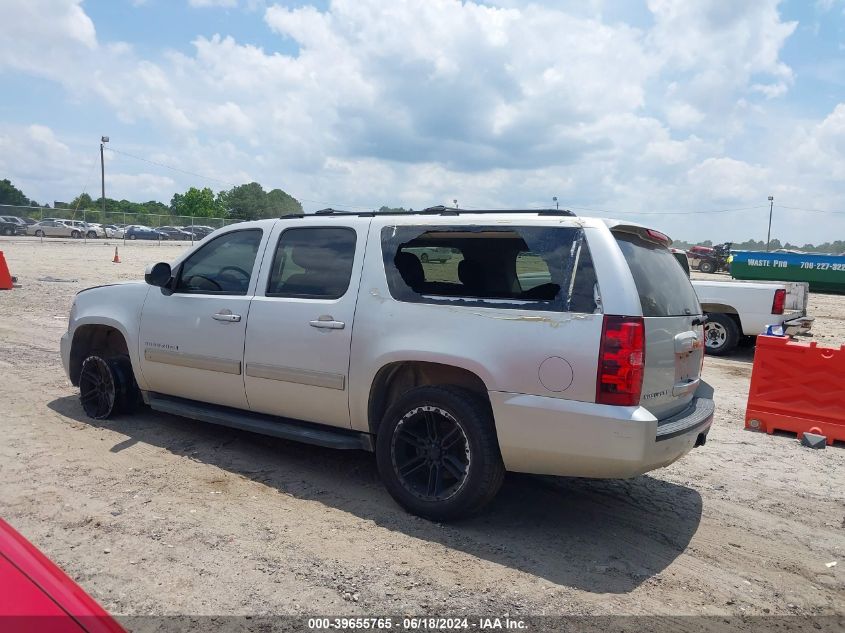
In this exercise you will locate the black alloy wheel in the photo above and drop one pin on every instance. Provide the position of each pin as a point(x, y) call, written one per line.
point(437, 452)
point(97, 388)
point(430, 453)
point(107, 386)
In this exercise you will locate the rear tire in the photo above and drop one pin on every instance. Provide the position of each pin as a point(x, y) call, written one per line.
point(424, 258)
point(75, 234)
point(707, 266)
point(133, 237)
point(438, 454)
point(7, 231)
point(107, 386)
point(721, 334)
point(91, 235)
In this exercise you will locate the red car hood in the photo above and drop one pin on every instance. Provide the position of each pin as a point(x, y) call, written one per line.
point(35, 595)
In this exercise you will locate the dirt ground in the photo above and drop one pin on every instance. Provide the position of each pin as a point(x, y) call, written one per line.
point(154, 514)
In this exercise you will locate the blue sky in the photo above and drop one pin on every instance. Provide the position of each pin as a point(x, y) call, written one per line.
point(660, 111)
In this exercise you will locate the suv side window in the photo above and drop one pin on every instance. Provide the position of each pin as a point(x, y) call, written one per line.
point(313, 263)
point(223, 266)
point(530, 268)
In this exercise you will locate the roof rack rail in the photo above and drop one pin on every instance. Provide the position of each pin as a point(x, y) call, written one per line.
point(435, 210)
point(443, 210)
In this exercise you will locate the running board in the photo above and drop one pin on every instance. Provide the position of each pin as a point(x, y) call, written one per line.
point(284, 428)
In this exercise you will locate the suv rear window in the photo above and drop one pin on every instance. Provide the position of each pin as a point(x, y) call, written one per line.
point(663, 287)
point(535, 268)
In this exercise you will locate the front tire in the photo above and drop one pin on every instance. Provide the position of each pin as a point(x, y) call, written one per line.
point(75, 234)
point(91, 235)
point(721, 334)
point(107, 386)
point(706, 266)
point(438, 454)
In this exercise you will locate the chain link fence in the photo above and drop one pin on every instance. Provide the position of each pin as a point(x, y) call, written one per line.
point(115, 223)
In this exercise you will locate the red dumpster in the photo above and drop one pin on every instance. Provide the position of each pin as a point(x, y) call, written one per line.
point(797, 387)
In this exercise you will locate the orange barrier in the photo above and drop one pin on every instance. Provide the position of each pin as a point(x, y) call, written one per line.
point(797, 387)
point(5, 276)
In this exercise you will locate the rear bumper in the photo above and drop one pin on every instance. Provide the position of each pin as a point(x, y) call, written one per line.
point(551, 436)
point(798, 325)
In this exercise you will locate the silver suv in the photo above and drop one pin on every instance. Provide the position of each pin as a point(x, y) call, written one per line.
point(546, 343)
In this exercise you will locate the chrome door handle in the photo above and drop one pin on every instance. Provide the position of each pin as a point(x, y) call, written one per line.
point(226, 316)
point(327, 322)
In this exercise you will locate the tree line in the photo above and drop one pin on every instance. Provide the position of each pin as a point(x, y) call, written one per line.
point(243, 202)
point(837, 247)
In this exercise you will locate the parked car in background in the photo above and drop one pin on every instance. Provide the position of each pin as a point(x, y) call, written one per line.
point(198, 231)
point(741, 308)
point(87, 229)
point(437, 254)
point(29, 221)
point(174, 233)
point(53, 228)
point(113, 231)
point(140, 232)
point(12, 225)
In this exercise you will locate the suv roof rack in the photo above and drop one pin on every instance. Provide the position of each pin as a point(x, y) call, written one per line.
point(435, 210)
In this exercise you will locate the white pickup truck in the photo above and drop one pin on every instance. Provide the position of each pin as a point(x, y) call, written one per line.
point(745, 308)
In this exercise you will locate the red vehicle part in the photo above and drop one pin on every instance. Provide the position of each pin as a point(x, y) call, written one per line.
point(35, 595)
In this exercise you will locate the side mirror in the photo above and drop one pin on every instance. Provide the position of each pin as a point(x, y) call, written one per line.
point(158, 275)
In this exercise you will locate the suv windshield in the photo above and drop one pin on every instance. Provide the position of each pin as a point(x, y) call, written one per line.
point(662, 285)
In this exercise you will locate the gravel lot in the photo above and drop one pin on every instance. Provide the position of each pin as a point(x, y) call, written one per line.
point(155, 514)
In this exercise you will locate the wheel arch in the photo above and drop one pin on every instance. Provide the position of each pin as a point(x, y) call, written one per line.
point(722, 308)
point(398, 377)
point(88, 337)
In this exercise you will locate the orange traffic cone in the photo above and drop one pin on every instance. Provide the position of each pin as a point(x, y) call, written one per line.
point(5, 276)
point(116, 259)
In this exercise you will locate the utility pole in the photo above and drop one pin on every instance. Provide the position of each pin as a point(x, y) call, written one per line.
point(103, 141)
point(769, 233)
point(554, 199)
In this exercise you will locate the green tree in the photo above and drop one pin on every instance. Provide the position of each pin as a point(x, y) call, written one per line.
point(197, 203)
point(82, 201)
point(281, 203)
point(9, 194)
point(251, 202)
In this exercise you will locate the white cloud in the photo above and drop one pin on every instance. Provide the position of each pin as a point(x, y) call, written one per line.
point(423, 101)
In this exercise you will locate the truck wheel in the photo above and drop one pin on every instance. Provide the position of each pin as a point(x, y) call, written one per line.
point(424, 258)
point(438, 454)
point(721, 334)
point(707, 266)
point(75, 234)
point(107, 386)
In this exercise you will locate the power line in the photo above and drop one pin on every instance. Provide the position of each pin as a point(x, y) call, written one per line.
point(783, 206)
point(184, 171)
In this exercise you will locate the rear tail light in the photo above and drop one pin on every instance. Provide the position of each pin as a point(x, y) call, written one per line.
point(621, 361)
point(658, 236)
point(779, 301)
